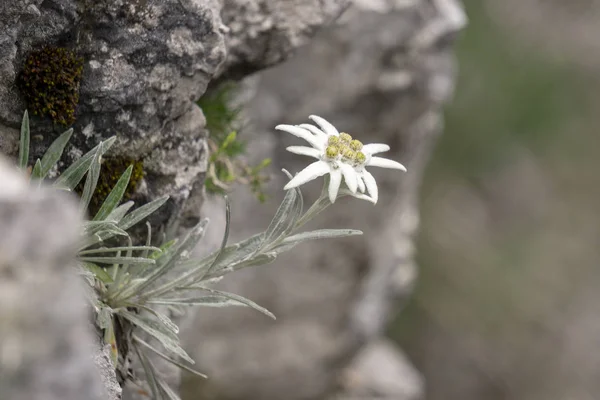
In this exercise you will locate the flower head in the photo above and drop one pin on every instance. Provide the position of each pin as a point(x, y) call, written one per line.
point(339, 155)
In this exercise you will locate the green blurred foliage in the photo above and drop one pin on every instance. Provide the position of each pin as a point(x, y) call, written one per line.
point(226, 165)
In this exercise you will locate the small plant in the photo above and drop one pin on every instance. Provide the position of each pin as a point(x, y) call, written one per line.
point(49, 82)
point(128, 282)
point(226, 165)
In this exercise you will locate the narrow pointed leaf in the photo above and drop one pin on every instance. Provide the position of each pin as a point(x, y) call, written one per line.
point(115, 196)
point(149, 372)
point(167, 358)
point(99, 273)
point(92, 179)
point(75, 172)
point(37, 170)
point(117, 260)
point(24, 142)
point(55, 151)
point(142, 212)
point(167, 338)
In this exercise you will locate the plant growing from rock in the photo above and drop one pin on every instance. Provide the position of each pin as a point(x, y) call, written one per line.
point(226, 164)
point(128, 282)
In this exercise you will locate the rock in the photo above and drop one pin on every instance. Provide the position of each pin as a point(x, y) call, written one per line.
point(145, 65)
point(46, 339)
point(380, 371)
point(382, 74)
point(262, 33)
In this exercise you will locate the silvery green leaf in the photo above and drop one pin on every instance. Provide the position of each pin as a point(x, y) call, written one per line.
point(114, 249)
point(243, 300)
point(55, 151)
point(75, 172)
point(260, 259)
point(24, 142)
point(92, 179)
point(149, 371)
point(168, 260)
point(167, 358)
point(158, 331)
point(281, 220)
point(99, 273)
point(146, 253)
point(223, 240)
point(115, 195)
point(118, 213)
point(142, 212)
point(167, 391)
point(163, 319)
point(318, 234)
point(36, 173)
point(117, 260)
point(219, 299)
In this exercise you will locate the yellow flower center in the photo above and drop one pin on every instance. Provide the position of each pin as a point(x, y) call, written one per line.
point(333, 140)
point(332, 151)
point(356, 145)
point(348, 154)
point(360, 157)
point(344, 137)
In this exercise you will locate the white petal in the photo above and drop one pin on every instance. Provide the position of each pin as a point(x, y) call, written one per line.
point(304, 151)
point(385, 163)
point(325, 125)
point(361, 183)
point(359, 196)
point(374, 148)
point(302, 133)
point(317, 132)
point(371, 185)
point(349, 176)
point(313, 171)
point(334, 184)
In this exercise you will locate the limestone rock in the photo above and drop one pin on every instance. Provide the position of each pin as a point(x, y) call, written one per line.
point(46, 340)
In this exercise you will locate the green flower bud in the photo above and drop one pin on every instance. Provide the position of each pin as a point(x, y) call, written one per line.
point(348, 154)
point(333, 140)
point(344, 137)
point(332, 151)
point(356, 145)
point(360, 157)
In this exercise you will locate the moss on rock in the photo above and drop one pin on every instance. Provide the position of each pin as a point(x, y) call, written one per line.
point(49, 82)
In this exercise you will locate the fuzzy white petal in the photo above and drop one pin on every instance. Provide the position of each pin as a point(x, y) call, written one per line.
point(313, 171)
point(325, 125)
point(304, 151)
point(371, 185)
point(385, 163)
point(350, 177)
point(374, 148)
point(361, 196)
point(302, 133)
point(317, 132)
point(334, 184)
point(361, 183)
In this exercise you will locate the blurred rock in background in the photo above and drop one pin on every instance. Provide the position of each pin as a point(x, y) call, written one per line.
point(383, 74)
point(506, 302)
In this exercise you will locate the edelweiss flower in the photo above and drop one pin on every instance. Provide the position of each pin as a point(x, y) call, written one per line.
point(339, 155)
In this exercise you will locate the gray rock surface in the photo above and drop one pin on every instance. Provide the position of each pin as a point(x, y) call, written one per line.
point(145, 65)
point(383, 75)
point(46, 339)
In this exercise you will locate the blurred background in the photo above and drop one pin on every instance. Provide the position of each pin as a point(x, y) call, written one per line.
point(507, 304)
